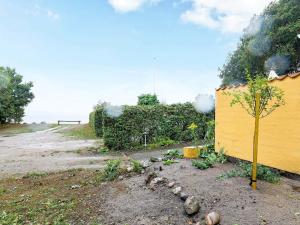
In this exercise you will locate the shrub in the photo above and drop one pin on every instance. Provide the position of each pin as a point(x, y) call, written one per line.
point(112, 169)
point(167, 121)
point(148, 99)
point(137, 166)
point(244, 169)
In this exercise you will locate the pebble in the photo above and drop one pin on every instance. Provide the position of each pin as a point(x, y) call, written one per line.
point(177, 190)
point(171, 184)
point(183, 196)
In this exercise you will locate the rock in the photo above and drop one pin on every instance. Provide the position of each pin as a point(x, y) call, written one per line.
point(121, 177)
point(183, 196)
point(191, 205)
point(129, 169)
point(198, 223)
point(154, 159)
point(150, 176)
point(171, 184)
point(155, 182)
point(76, 186)
point(146, 164)
point(213, 218)
point(177, 190)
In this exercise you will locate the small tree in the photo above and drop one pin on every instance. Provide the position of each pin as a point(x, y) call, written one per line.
point(148, 99)
point(259, 100)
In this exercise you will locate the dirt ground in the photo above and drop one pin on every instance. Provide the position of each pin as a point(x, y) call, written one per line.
point(130, 202)
point(46, 150)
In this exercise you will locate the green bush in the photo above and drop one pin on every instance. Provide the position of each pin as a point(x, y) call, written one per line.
point(167, 121)
point(112, 169)
point(95, 120)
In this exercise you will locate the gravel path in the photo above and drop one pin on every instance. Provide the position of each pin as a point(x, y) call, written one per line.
point(46, 150)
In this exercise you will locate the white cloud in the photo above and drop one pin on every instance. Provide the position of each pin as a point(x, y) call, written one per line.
point(228, 16)
point(129, 5)
point(37, 10)
point(53, 15)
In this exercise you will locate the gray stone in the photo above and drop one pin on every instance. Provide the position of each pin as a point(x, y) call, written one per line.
point(183, 196)
point(146, 164)
point(191, 205)
point(129, 169)
point(177, 190)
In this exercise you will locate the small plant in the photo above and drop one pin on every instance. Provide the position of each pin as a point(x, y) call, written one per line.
point(112, 169)
point(35, 175)
point(137, 166)
point(173, 154)
point(161, 142)
point(244, 169)
point(169, 162)
point(209, 159)
point(193, 128)
point(103, 150)
point(202, 164)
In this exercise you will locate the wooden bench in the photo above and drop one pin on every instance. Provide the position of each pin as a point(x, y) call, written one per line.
point(68, 121)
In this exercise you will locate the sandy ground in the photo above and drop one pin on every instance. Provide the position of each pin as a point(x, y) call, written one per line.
point(130, 202)
point(46, 150)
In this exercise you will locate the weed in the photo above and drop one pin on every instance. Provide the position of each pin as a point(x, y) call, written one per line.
point(161, 142)
point(202, 164)
point(137, 166)
point(80, 132)
point(244, 169)
point(112, 169)
point(209, 159)
point(173, 154)
point(2, 191)
point(169, 162)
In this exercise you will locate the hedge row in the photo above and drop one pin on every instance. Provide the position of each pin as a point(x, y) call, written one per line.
point(160, 121)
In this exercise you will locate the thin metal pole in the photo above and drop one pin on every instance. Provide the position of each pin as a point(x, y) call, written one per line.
point(255, 141)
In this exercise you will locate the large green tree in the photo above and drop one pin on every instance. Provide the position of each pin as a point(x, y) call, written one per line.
point(15, 95)
point(270, 42)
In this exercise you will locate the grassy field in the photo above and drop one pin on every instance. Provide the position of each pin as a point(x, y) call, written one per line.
point(12, 129)
point(41, 198)
point(80, 131)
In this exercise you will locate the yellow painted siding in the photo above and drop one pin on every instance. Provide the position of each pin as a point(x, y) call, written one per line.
point(279, 134)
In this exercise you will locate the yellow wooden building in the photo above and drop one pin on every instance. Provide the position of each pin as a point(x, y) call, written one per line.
point(279, 137)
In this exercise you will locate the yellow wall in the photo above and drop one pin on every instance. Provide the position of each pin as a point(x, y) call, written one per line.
point(279, 138)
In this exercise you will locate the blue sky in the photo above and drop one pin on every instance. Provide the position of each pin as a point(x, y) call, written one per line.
point(79, 52)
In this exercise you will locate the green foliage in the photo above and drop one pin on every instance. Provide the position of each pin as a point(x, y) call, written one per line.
point(244, 169)
point(169, 162)
point(193, 129)
point(209, 158)
point(15, 95)
point(96, 119)
point(173, 154)
point(167, 121)
point(137, 166)
point(271, 97)
point(161, 142)
point(112, 169)
point(276, 38)
point(148, 99)
point(103, 150)
point(209, 138)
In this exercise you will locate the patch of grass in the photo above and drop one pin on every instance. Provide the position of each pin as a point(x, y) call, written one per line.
point(48, 199)
point(137, 166)
point(80, 132)
point(112, 169)
point(35, 175)
point(13, 129)
point(103, 150)
point(161, 142)
point(244, 169)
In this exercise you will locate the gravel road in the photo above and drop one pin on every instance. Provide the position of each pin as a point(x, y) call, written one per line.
point(46, 150)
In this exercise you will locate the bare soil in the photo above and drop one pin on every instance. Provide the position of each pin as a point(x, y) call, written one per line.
point(43, 151)
point(130, 202)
